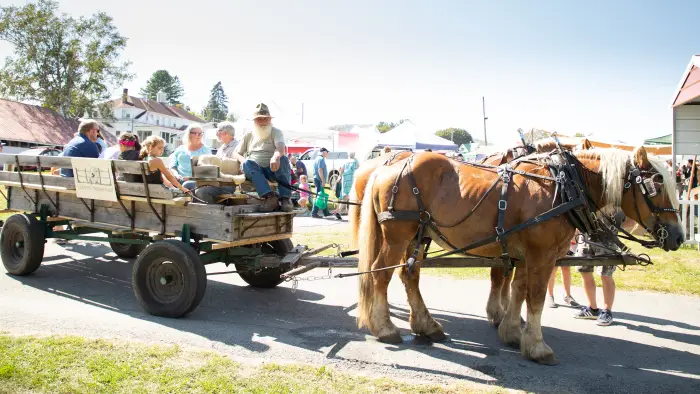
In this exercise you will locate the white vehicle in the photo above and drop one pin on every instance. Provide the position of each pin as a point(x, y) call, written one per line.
point(334, 162)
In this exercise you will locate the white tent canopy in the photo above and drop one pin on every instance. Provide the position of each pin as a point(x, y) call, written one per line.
point(408, 136)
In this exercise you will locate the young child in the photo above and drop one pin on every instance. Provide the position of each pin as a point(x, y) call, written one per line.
point(303, 195)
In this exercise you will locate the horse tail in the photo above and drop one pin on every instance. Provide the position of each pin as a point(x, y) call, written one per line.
point(370, 244)
point(354, 218)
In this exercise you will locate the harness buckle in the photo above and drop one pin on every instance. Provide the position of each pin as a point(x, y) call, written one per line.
point(395, 189)
point(500, 231)
point(627, 185)
point(416, 191)
point(502, 205)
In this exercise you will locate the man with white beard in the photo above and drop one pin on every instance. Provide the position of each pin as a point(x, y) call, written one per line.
point(263, 151)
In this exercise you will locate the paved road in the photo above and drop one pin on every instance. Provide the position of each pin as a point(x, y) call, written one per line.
point(84, 289)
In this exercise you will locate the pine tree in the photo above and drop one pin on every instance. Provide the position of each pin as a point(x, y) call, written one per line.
point(162, 80)
point(217, 108)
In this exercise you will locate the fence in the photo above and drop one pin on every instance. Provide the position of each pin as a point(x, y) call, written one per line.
point(689, 218)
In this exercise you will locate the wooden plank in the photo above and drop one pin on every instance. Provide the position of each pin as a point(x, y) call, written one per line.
point(125, 188)
point(30, 160)
point(38, 187)
point(179, 201)
point(206, 171)
point(213, 224)
point(250, 241)
point(264, 214)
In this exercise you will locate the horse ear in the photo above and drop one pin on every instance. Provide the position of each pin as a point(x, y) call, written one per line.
point(640, 158)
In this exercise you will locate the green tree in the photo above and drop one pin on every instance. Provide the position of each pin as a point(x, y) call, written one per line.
point(169, 84)
point(383, 127)
point(579, 135)
point(217, 108)
point(456, 135)
point(64, 63)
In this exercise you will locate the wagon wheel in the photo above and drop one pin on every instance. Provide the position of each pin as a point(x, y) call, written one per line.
point(270, 277)
point(169, 279)
point(126, 251)
point(22, 244)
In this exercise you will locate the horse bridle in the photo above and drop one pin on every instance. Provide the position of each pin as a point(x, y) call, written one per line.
point(645, 181)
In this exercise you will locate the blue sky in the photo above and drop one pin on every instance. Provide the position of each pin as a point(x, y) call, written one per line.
point(588, 67)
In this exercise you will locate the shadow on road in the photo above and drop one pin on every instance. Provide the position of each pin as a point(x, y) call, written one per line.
point(240, 316)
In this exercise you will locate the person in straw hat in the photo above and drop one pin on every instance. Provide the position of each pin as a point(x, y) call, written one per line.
point(263, 150)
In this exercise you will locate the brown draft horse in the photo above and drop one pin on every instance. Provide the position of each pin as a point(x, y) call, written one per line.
point(446, 187)
point(500, 282)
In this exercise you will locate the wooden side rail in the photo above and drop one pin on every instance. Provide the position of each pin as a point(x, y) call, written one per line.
point(122, 166)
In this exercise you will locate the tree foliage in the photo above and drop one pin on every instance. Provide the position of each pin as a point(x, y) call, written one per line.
point(456, 135)
point(217, 108)
point(383, 127)
point(67, 64)
point(169, 84)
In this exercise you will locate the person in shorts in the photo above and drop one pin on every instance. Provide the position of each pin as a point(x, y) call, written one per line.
point(604, 315)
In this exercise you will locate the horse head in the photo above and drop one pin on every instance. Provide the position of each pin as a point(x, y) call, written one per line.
point(639, 184)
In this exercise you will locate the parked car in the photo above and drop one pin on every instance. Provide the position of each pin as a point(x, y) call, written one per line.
point(39, 152)
point(334, 162)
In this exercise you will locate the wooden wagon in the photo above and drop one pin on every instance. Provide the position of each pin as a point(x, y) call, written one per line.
point(172, 237)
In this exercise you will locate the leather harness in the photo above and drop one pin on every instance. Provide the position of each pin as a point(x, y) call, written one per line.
point(574, 200)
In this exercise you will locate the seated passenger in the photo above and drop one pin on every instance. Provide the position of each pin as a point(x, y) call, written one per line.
point(84, 144)
point(129, 149)
point(181, 158)
point(226, 134)
point(262, 154)
point(151, 150)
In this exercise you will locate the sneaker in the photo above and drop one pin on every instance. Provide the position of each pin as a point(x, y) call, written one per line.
point(551, 303)
point(286, 205)
point(316, 216)
point(605, 318)
point(271, 203)
point(337, 216)
point(569, 300)
point(587, 313)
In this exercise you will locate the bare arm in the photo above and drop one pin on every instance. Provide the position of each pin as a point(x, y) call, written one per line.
point(157, 164)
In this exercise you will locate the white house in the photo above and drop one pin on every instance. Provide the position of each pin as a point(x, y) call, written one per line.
point(146, 117)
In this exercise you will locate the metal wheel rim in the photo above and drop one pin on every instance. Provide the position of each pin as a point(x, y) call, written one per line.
point(165, 281)
point(14, 244)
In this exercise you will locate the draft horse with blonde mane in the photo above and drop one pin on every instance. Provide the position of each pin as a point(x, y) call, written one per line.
point(500, 278)
point(430, 189)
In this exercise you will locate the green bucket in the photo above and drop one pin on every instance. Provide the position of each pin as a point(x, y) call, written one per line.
point(321, 201)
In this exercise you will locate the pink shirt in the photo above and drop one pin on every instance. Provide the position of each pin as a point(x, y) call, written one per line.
point(304, 186)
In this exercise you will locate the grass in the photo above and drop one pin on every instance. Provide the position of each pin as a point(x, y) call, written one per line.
point(76, 365)
point(672, 272)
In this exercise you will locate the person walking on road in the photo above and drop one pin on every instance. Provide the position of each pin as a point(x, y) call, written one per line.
point(320, 177)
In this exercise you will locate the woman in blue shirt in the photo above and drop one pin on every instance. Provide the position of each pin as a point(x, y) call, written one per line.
point(181, 159)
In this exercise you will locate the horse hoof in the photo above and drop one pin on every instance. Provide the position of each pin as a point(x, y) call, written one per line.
point(548, 360)
point(437, 336)
point(394, 338)
point(515, 344)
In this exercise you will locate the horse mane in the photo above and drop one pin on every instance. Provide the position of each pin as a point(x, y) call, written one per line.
point(613, 167)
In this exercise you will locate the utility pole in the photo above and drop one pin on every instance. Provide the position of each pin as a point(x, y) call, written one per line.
point(302, 113)
point(483, 106)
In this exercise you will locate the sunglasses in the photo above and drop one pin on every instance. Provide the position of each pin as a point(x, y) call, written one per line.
point(195, 133)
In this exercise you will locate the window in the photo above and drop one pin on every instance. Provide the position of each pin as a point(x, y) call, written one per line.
point(158, 122)
point(143, 134)
point(128, 115)
point(168, 137)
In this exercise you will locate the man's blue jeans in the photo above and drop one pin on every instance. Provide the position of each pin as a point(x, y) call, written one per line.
point(319, 186)
point(259, 175)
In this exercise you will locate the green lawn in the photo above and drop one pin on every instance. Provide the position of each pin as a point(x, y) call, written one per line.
point(77, 365)
point(672, 272)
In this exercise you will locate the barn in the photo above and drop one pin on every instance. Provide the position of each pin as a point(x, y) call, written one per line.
point(686, 113)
